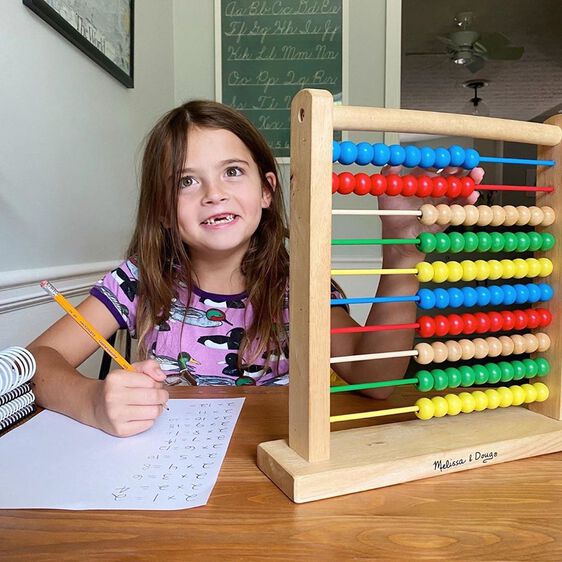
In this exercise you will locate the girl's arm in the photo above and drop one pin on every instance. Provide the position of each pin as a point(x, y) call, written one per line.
point(124, 404)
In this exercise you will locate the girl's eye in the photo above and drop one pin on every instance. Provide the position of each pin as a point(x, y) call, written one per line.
point(233, 172)
point(186, 181)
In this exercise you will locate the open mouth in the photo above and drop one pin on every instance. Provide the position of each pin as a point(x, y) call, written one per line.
point(219, 219)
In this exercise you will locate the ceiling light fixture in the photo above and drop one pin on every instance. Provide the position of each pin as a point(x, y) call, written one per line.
point(476, 106)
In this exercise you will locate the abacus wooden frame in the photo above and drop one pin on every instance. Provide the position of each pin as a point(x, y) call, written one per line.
point(315, 463)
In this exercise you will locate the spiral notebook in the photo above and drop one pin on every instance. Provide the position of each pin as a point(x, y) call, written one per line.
point(17, 400)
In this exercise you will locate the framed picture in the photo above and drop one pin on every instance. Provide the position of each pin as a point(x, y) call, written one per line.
point(102, 29)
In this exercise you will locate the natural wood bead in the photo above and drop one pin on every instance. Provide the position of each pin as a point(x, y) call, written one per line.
point(458, 215)
point(548, 216)
point(440, 352)
point(498, 215)
point(467, 348)
point(524, 215)
point(480, 348)
point(544, 341)
point(519, 344)
point(454, 350)
point(537, 216)
point(429, 214)
point(472, 214)
point(494, 346)
point(532, 343)
point(507, 345)
point(485, 215)
point(445, 214)
point(511, 215)
point(425, 353)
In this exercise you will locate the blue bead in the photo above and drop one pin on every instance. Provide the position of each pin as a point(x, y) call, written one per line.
point(509, 294)
point(397, 155)
point(522, 293)
point(364, 153)
point(381, 154)
point(442, 158)
point(348, 152)
point(456, 297)
point(496, 295)
point(335, 151)
point(457, 155)
point(427, 157)
point(413, 156)
point(546, 291)
point(483, 296)
point(441, 298)
point(471, 159)
point(534, 292)
point(427, 299)
point(470, 296)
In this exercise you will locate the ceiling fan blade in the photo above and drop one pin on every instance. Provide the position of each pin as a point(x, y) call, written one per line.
point(447, 40)
point(426, 54)
point(476, 64)
point(506, 53)
point(494, 40)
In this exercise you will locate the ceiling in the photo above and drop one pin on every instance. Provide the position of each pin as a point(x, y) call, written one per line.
point(526, 89)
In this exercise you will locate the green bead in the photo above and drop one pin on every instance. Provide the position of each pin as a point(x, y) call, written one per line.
point(454, 376)
point(441, 379)
point(480, 374)
point(442, 243)
point(425, 381)
point(497, 242)
point(457, 242)
point(467, 375)
point(484, 241)
point(535, 241)
point(522, 241)
point(470, 241)
point(519, 370)
point(510, 242)
point(494, 373)
point(547, 241)
point(507, 371)
point(543, 366)
point(427, 242)
point(531, 368)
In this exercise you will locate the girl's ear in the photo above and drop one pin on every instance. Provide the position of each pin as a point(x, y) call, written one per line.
point(266, 194)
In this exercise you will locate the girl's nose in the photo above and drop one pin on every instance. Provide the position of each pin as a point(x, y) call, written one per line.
point(215, 193)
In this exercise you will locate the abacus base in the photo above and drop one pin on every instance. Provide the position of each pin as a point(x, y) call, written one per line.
point(374, 457)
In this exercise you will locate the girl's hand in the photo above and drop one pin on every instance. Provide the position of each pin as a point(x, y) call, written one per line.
point(128, 402)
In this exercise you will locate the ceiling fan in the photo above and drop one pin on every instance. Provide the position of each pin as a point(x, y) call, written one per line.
point(471, 49)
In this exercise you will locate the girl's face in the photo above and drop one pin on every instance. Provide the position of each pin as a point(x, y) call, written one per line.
point(221, 195)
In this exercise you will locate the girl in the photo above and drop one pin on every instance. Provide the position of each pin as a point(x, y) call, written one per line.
point(204, 288)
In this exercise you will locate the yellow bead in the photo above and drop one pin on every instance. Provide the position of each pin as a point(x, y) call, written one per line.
point(496, 269)
point(521, 268)
point(542, 391)
point(440, 271)
point(454, 404)
point(518, 395)
point(468, 403)
point(468, 270)
point(506, 397)
point(530, 393)
point(441, 406)
point(480, 400)
point(508, 269)
point(548, 217)
point(482, 270)
point(425, 272)
point(546, 267)
point(426, 409)
point(455, 271)
point(493, 398)
point(534, 267)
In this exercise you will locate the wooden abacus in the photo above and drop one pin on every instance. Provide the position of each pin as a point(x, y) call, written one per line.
point(315, 463)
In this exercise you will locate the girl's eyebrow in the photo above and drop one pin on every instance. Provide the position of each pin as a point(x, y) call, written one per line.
point(220, 164)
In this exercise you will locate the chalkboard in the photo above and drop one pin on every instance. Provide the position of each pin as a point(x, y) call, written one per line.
point(272, 49)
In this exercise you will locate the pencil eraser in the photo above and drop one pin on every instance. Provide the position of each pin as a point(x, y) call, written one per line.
point(43, 283)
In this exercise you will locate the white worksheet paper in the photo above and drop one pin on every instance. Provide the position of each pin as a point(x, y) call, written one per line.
point(54, 462)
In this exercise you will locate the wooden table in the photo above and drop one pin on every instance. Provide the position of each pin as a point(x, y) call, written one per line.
point(510, 511)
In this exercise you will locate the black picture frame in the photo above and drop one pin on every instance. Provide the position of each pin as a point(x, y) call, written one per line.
point(125, 73)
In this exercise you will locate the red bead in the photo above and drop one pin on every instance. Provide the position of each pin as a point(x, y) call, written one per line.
point(467, 186)
point(533, 318)
point(441, 325)
point(362, 184)
point(508, 320)
point(439, 186)
point(496, 321)
point(378, 184)
point(454, 187)
point(393, 184)
point(347, 183)
point(335, 182)
point(520, 319)
point(426, 328)
point(546, 316)
point(409, 186)
point(456, 324)
point(482, 322)
point(425, 187)
point(469, 323)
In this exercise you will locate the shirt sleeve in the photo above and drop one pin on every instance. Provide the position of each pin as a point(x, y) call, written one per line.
point(117, 290)
point(336, 292)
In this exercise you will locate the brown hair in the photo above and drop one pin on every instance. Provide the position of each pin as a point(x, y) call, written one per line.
point(163, 258)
